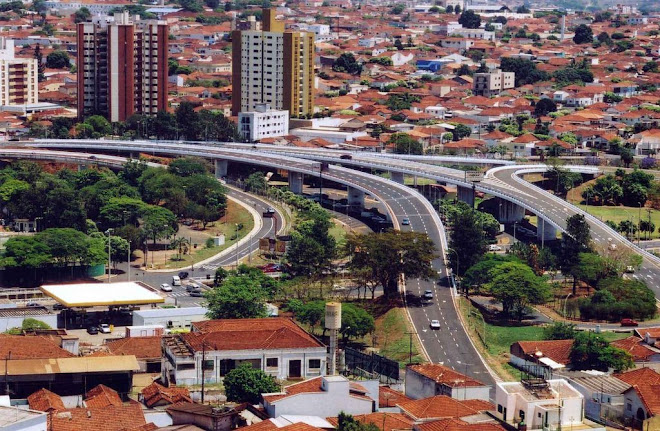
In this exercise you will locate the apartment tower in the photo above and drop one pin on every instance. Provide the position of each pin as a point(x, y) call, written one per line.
point(18, 77)
point(122, 67)
point(273, 66)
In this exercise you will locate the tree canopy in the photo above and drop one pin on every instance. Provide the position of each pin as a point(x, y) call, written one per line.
point(591, 352)
point(246, 384)
point(469, 19)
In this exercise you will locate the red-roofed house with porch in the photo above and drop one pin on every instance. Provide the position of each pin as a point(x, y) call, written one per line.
point(276, 345)
point(428, 380)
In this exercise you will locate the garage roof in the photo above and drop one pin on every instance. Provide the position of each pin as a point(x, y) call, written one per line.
point(104, 294)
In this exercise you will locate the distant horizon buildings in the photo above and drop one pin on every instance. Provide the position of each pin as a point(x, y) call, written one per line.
point(273, 66)
point(121, 66)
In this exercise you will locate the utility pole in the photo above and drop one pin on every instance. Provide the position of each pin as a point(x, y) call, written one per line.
point(410, 334)
point(203, 360)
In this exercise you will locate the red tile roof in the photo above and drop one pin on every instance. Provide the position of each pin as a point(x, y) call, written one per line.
point(109, 418)
point(639, 376)
point(21, 347)
point(388, 397)
point(249, 334)
point(458, 425)
point(440, 407)
point(384, 421)
point(141, 347)
point(445, 375)
point(636, 347)
point(102, 396)
point(156, 394)
point(307, 386)
point(45, 401)
point(557, 350)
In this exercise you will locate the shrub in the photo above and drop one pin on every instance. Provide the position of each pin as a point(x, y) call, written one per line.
point(648, 163)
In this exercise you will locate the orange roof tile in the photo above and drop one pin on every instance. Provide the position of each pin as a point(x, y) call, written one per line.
point(109, 418)
point(158, 394)
point(45, 401)
point(438, 407)
point(445, 375)
point(21, 347)
point(634, 345)
point(383, 421)
point(141, 347)
point(388, 397)
point(102, 396)
point(557, 350)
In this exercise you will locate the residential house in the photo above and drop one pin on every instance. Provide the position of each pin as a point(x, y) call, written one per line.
point(217, 418)
point(324, 396)
point(443, 407)
point(603, 395)
point(428, 380)
point(642, 399)
point(540, 404)
point(489, 84)
point(650, 335)
point(156, 395)
point(15, 418)
point(638, 349)
point(277, 345)
point(541, 358)
point(147, 350)
point(646, 142)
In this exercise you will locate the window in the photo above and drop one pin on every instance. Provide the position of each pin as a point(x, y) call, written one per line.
point(208, 365)
point(314, 364)
point(271, 362)
point(182, 367)
point(499, 408)
point(629, 407)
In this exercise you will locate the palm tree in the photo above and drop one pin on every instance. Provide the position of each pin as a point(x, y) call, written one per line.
point(181, 244)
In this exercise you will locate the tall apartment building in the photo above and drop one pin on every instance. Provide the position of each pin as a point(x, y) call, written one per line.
point(122, 66)
point(18, 77)
point(493, 83)
point(274, 67)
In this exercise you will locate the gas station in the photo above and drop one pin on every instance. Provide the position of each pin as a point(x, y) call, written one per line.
point(86, 304)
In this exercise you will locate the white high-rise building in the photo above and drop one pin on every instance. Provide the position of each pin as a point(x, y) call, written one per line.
point(274, 66)
point(263, 122)
point(18, 77)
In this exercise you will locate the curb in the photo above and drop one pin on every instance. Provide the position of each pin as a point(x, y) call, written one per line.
point(258, 224)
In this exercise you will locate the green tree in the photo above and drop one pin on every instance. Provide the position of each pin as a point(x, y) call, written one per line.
point(397, 9)
point(58, 60)
point(356, 322)
point(583, 34)
point(256, 182)
point(525, 70)
point(591, 352)
point(627, 156)
point(191, 5)
point(312, 248)
point(346, 63)
point(187, 120)
point(461, 131)
point(544, 107)
point(158, 222)
point(399, 102)
point(477, 276)
point(450, 9)
point(82, 15)
point(406, 144)
point(559, 331)
point(385, 256)
point(467, 241)
point(237, 297)
point(347, 422)
point(516, 286)
point(576, 240)
point(469, 19)
point(188, 166)
point(246, 384)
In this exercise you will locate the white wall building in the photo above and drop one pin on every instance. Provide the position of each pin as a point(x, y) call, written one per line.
point(429, 380)
point(169, 317)
point(324, 397)
point(277, 346)
point(492, 83)
point(263, 122)
point(16, 419)
point(18, 77)
point(542, 404)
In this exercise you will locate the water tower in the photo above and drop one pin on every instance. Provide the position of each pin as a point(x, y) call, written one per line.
point(333, 324)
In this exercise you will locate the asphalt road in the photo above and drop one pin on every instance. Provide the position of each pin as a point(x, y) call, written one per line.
point(450, 345)
point(179, 293)
point(558, 210)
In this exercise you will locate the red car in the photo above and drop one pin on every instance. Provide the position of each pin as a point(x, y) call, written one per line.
point(629, 322)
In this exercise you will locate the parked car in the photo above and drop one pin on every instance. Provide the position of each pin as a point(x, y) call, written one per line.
point(33, 304)
point(269, 213)
point(346, 157)
point(271, 267)
point(92, 330)
point(494, 247)
point(428, 294)
point(435, 324)
point(405, 222)
point(197, 293)
point(165, 287)
point(104, 328)
point(183, 275)
point(629, 322)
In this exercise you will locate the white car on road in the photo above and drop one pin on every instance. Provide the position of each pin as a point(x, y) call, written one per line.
point(165, 287)
point(435, 324)
point(104, 328)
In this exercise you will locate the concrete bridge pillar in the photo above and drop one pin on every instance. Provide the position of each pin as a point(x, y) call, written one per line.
point(465, 194)
point(397, 177)
point(296, 182)
point(545, 231)
point(221, 168)
point(509, 212)
point(355, 198)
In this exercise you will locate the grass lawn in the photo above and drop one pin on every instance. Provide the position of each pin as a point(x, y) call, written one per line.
point(392, 340)
point(338, 232)
point(498, 339)
point(227, 226)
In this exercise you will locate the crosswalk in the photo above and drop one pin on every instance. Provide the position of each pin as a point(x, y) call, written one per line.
point(178, 294)
point(210, 267)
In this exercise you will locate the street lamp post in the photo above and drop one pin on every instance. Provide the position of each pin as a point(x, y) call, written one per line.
point(108, 232)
